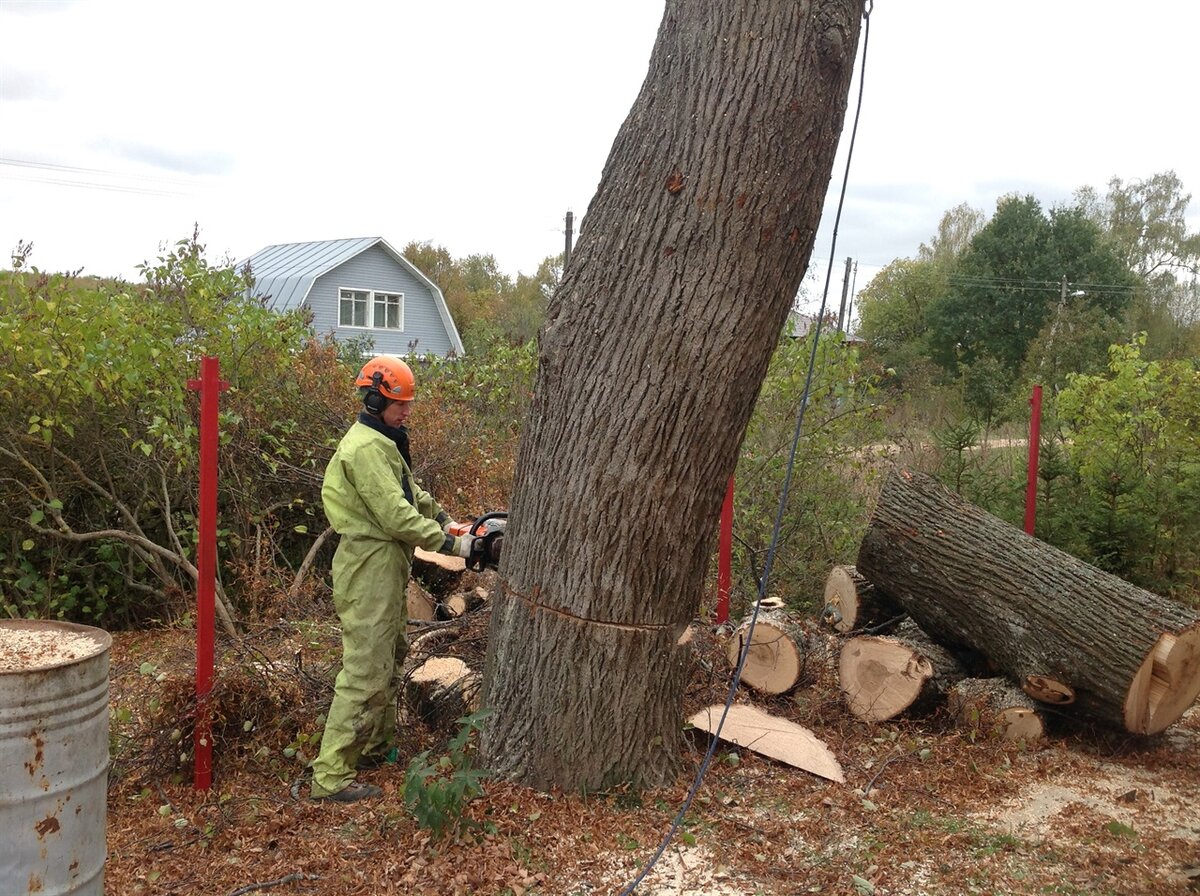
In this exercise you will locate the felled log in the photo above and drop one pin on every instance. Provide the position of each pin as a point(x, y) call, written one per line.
point(883, 676)
point(1059, 627)
point(776, 656)
point(462, 602)
point(851, 602)
point(441, 690)
point(995, 706)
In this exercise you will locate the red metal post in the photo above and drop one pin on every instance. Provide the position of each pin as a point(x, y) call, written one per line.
point(725, 558)
point(1035, 435)
point(210, 387)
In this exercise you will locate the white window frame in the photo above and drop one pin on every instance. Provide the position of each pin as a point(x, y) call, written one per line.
point(371, 301)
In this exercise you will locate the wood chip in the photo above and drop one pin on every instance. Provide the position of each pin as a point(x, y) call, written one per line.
point(26, 649)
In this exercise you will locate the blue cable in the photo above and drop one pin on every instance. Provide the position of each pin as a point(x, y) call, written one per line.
point(787, 481)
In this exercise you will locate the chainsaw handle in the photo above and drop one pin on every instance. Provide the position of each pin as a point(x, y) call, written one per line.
point(477, 525)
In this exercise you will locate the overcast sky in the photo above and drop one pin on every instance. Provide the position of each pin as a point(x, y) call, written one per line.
point(476, 125)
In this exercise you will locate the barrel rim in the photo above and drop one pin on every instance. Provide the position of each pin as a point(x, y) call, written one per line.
point(101, 639)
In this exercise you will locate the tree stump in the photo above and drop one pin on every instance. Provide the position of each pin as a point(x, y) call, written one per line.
point(441, 690)
point(421, 607)
point(851, 602)
point(440, 573)
point(882, 677)
point(995, 706)
point(1056, 625)
point(778, 649)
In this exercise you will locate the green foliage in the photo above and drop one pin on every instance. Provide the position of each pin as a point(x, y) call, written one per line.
point(1007, 284)
point(1133, 437)
point(986, 387)
point(99, 436)
point(892, 313)
point(438, 789)
point(823, 521)
point(486, 304)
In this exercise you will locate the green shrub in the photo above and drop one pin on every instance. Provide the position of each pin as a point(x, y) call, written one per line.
point(832, 479)
point(437, 790)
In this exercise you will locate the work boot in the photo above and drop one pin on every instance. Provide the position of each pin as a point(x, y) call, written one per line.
point(352, 793)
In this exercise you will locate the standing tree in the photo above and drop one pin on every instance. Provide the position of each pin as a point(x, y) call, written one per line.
point(1018, 271)
point(650, 360)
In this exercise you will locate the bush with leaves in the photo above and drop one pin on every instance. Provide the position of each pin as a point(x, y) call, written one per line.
point(99, 437)
point(826, 510)
point(1133, 436)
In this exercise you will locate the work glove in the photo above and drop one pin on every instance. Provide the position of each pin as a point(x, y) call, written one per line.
point(446, 521)
point(458, 546)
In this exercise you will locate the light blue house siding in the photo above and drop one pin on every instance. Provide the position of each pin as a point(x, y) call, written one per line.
point(316, 274)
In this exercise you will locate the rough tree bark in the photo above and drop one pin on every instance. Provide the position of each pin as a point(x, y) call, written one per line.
point(1065, 631)
point(651, 356)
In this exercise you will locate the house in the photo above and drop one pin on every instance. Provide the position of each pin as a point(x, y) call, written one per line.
point(356, 289)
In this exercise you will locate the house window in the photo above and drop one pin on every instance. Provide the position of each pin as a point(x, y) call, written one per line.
point(370, 309)
point(389, 307)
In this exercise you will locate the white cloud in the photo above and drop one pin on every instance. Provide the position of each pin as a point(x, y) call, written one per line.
point(476, 125)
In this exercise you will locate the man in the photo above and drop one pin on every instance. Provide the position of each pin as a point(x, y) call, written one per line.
point(374, 503)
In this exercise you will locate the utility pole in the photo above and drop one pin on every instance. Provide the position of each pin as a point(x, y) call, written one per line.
point(567, 250)
point(853, 293)
point(845, 294)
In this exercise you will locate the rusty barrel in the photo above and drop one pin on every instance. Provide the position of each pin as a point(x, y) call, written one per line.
point(53, 757)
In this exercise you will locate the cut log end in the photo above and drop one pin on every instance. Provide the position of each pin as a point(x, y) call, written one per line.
point(1048, 690)
point(997, 706)
point(441, 690)
point(774, 659)
point(1020, 724)
point(853, 602)
point(881, 677)
point(421, 607)
point(841, 598)
point(1167, 683)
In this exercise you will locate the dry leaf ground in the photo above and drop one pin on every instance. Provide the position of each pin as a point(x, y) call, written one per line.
point(925, 810)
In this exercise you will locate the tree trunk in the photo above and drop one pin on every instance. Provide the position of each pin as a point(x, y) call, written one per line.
point(650, 360)
point(1059, 627)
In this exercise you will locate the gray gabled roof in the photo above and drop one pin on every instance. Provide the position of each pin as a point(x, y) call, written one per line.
point(284, 274)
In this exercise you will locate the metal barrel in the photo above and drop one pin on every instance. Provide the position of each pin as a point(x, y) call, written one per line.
point(53, 757)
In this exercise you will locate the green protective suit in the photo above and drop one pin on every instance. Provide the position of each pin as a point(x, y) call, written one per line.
point(364, 497)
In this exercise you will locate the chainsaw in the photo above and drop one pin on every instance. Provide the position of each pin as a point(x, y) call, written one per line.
point(488, 532)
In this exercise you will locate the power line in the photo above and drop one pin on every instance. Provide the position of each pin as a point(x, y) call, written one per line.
point(73, 176)
point(1014, 283)
point(93, 185)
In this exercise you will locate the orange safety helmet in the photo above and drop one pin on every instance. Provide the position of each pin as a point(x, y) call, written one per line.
point(389, 377)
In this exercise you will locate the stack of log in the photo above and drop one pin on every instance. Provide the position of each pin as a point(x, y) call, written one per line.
point(446, 634)
point(948, 604)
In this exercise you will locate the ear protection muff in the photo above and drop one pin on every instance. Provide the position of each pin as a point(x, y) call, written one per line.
point(375, 401)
